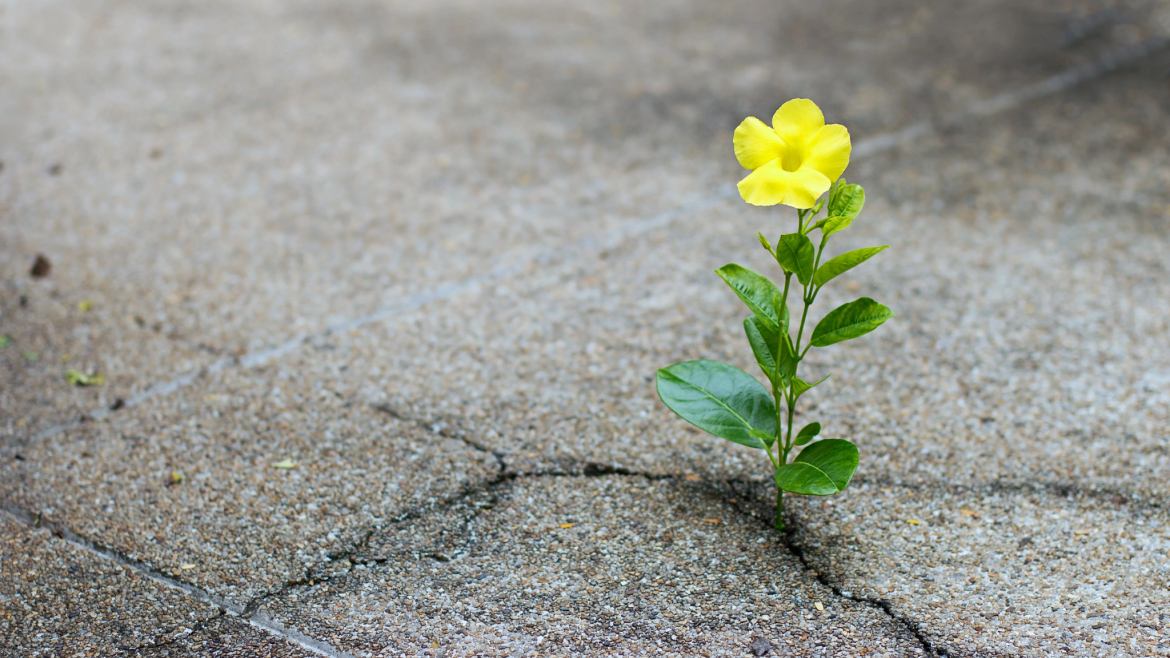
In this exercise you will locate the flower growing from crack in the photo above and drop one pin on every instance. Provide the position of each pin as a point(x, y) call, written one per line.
point(796, 160)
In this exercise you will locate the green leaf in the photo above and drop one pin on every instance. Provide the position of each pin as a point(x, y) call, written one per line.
point(755, 290)
point(800, 387)
point(796, 254)
point(808, 433)
point(720, 399)
point(847, 202)
point(844, 263)
point(831, 225)
point(822, 469)
point(848, 321)
point(763, 342)
point(768, 439)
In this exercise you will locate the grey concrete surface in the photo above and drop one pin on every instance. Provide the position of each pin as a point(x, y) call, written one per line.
point(433, 253)
point(56, 599)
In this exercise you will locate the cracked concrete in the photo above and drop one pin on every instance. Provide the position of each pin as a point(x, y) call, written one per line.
point(429, 254)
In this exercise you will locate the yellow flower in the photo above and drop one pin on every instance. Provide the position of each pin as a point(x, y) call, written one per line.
point(796, 160)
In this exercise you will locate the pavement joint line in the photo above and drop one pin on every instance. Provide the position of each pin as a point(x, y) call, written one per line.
point(258, 619)
point(1107, 63)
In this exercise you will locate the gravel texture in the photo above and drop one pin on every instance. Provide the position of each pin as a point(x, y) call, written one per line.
point(995, 569)
point(193, 482)
point(583, 566)
point(433, 252)
point(59, 600)
point(224, 637)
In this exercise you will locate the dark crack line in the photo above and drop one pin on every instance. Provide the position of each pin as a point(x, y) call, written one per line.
point(226, 606)
point(442, 429)
point(912, 627)
point(195, 628)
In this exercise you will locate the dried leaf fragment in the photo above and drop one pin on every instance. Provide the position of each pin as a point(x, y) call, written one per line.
point(967, 512)
point(78, 378)
point(692, 477)
point(913, 521)
point(84, 305)
point(567, 525)
point(285, 463)
point(713, 520)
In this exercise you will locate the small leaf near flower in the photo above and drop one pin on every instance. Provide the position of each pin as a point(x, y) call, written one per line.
point(849, 321)
point(796, 254)
point(843, 263)
point(847, 202)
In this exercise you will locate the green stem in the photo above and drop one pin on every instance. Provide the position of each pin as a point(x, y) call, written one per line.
point(776, 374)
point(779, 509)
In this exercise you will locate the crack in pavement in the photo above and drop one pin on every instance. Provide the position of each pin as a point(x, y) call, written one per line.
point(226, 607)
point(1109, 62)
point(912, 627)
point(195, 628)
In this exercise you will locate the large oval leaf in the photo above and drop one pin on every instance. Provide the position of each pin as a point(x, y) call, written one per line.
point(822, 469)
point(851, 320)
point(757, 292)
point(844, 263)
point(796, 253)
point(720, 399)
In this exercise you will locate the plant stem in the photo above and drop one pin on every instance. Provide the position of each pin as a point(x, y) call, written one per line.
point(779, 509)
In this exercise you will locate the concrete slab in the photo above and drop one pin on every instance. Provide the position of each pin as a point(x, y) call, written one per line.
point(607, 565)
point(998, 570)
point(189, 486)
point(57, 600)
point(240, 187)
point(184, 176)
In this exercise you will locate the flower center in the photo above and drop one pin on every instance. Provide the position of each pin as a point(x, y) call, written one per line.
point(791, 159)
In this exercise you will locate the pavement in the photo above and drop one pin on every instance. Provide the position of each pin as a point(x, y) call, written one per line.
point(378, 292)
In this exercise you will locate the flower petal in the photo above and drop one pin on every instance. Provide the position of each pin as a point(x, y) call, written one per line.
point(755, 143)
point(805, 187)
point(797, 121)
point(829, 150)
point(770, 184)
